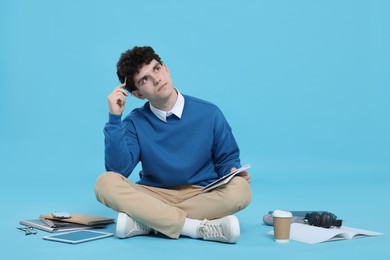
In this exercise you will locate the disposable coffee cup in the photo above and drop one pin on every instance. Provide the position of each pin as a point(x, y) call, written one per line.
point(282, 225)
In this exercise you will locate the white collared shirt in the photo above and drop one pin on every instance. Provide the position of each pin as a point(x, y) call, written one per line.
point(177, 109)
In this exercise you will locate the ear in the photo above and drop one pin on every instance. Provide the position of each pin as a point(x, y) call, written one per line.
point(137, 94)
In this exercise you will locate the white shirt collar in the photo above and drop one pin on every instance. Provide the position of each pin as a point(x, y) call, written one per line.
point(177, 109)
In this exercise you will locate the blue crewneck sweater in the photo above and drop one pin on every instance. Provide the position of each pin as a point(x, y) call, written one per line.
point(195, 149)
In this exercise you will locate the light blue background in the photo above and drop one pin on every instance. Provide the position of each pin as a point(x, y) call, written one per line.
point(304, 85)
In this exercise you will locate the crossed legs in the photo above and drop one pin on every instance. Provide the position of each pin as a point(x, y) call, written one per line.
point(166, 210)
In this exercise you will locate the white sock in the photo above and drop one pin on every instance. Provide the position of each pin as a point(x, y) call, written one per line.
point(190, 227)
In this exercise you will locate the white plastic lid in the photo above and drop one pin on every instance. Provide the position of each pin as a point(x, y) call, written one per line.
point(282, 214)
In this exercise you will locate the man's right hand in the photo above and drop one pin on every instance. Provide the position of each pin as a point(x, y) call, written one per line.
point(117, 100)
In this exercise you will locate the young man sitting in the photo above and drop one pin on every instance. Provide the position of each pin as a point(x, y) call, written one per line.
point(183, 143)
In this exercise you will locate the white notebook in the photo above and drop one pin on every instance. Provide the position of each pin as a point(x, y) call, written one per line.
point(225, 179)
point(312, 235)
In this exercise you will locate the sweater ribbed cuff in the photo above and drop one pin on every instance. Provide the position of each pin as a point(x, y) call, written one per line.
point(114, 119)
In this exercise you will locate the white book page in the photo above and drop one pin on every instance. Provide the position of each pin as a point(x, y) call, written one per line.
point(312, 235)
point(356, 233)
point(225, 179)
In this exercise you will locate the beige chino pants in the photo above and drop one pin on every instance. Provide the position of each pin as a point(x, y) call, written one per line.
point(165, 210)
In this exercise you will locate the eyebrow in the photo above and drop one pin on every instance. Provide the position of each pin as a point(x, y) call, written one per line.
point(156, 65)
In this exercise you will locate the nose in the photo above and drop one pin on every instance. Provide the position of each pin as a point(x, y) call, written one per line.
point(157, 80)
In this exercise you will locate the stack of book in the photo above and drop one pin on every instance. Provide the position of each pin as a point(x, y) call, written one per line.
point(49, 223)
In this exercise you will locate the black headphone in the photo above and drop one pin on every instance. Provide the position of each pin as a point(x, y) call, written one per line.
point(325, 219)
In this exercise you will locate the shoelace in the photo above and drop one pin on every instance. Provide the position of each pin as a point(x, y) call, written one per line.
point(208, 230)
point(141, 227)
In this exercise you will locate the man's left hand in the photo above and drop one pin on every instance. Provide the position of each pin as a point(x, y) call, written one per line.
point(244, 174)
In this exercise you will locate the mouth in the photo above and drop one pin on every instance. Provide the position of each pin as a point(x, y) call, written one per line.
point(160, 88)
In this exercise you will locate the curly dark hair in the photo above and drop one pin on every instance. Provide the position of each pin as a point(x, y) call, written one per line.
point(130, 63)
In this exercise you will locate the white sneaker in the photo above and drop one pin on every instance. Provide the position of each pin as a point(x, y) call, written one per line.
point(128, 227)
point(225, 229)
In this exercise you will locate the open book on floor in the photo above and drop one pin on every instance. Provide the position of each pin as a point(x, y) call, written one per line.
point(225, 179)
point(312, 235)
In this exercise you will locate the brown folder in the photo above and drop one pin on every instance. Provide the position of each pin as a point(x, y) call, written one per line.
point(81, 219)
